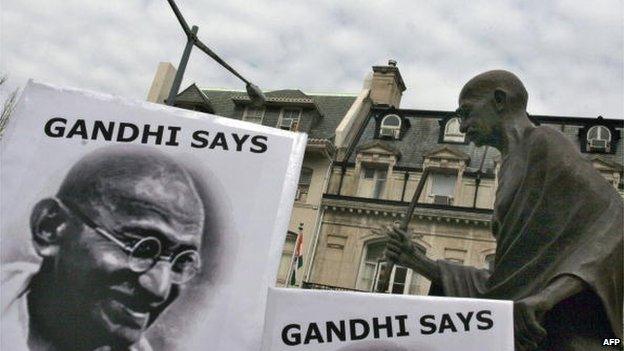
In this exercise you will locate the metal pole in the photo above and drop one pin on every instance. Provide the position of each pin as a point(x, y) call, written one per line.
point(256, 95)
point(292, 270)
point(190, 40)
point(410, 209)
point(384, 276)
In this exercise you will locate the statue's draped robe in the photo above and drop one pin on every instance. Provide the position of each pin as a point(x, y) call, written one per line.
point(554, 215)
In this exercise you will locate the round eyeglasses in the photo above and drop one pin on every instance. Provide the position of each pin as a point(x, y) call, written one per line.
point(145, 252)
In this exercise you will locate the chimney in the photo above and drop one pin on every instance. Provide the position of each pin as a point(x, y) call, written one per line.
point(163, 80)
point(387, 85)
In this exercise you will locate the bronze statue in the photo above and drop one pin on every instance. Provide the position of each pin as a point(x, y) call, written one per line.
point(558, 225)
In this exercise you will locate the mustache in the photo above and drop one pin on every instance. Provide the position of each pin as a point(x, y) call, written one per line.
point(135, 297)
point(137, 300)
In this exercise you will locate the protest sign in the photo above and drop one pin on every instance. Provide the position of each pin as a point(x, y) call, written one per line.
point(314, 320)
point(131, 224)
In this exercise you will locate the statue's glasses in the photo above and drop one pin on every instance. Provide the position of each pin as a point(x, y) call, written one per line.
point(143, 253)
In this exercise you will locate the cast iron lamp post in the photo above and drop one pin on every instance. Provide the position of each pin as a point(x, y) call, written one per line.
point(255, 94)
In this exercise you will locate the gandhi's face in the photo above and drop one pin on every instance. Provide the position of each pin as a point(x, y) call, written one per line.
point(106, 296)
point(480, 120)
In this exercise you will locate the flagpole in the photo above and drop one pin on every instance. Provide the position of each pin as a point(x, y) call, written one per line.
point(291, 269)
point(297, 244)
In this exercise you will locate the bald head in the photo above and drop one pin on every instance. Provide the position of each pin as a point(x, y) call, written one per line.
point(489, 82)
point(126, 176)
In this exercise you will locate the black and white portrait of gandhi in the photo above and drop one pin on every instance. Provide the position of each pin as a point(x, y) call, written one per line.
point(119, 242)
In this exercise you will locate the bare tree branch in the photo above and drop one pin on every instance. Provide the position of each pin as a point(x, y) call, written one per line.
point(8, 106)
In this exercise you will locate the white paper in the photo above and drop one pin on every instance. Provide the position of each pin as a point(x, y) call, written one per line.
point(250, 196)
point(317, 320)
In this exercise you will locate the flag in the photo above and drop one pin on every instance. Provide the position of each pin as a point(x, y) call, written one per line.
point(297, 261)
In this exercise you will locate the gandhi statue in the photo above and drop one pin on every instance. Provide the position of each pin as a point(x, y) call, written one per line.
point(557, 222)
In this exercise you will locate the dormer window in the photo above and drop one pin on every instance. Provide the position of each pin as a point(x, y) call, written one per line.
point(452, 133)
point(390, 127)
point(289, 119)
point(253, 114)
point(443, 188)
point(599, 139)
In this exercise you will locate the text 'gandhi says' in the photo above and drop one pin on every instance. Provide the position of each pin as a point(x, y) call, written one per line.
point(125, 132)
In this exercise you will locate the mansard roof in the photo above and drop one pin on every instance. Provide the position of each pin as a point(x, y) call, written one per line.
point(423, 137)
point(285, 96)
point(192, 97)
point(329, 108)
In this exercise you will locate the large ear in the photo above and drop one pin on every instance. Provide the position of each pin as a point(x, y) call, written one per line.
point(47, 221)
point(500, 99)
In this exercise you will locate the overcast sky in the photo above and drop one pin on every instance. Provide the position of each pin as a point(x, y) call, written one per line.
point(568, 53)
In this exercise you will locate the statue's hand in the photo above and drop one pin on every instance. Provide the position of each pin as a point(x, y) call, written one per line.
point(528, 317)
point(401, 250)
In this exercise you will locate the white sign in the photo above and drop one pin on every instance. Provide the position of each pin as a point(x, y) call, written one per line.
point(127, 224)
point(350, 321)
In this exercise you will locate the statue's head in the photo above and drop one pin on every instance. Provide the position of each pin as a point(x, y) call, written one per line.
point(488, 101)
point(119, 241)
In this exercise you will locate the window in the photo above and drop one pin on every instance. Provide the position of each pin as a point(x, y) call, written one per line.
point(451, 131)
point(370, 266)
point(390, 126)
point(402, 280)
point(305, 178)
point(443, 188)
point(599, 139)
point(372, 182)
point(289, 119)
point(253, 114)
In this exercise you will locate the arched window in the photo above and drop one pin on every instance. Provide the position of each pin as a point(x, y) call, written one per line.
point(402, 280)
point(390, 126)
point(451, 131)
point(598, 138)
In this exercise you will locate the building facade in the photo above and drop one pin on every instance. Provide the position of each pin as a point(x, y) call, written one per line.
point(364, 159)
